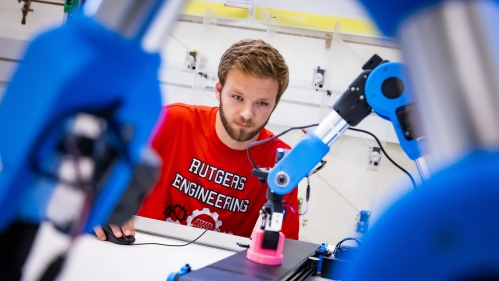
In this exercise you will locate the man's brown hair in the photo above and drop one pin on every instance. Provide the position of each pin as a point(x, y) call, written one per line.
point(257, 59)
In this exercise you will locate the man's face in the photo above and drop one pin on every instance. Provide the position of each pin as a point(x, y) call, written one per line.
point(246, 103)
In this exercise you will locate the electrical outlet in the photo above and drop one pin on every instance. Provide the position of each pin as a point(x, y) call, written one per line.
point(319, 78)
point(190, 60)
point(374, 158)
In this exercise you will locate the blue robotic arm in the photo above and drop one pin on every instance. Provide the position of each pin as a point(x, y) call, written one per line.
point(77, 115)
point(102, 80)
point(382, 88)
point(104, 64)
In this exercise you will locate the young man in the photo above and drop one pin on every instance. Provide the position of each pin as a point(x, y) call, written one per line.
point(206, 179)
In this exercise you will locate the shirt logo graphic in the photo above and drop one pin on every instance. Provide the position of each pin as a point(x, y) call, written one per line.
point(176, 213)
point(204, 219)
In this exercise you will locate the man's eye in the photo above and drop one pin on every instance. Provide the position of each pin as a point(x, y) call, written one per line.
point(262, 103)
point(238, 97)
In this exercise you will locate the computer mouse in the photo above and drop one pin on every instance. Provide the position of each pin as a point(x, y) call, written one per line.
point(123, 240)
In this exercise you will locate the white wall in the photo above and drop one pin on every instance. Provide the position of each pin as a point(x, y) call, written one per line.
point(345, 185)
point(43, 17)
point(300, 103)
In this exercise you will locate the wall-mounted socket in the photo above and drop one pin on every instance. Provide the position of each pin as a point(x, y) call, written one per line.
point(374, 158)
point(191, 59)
point(319, 78)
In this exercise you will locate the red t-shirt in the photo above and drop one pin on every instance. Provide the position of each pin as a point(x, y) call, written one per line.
point(206, 184)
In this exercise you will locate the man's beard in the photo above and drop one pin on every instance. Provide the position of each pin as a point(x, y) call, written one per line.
point(239, 134)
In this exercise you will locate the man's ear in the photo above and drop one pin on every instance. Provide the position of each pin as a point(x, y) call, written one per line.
point(218, 90)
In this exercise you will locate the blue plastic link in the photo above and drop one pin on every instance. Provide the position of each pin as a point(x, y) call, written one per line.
point(321, 252)
point(298, 162)
point(386, 107)
point(388, 14)
point(183, 271)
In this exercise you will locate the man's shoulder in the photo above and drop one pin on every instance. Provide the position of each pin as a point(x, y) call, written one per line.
point(183, 108)
point(182, 111)
point(276, 143)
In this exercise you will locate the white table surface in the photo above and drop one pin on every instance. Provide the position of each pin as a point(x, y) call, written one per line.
point(91, 259)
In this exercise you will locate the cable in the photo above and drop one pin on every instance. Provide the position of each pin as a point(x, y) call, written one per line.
point(323, 163)
point(382, 149)
point(338, 246)
point(307, 197)
point(272, 138)
point(349, 239)
point(172, 245)
point(284, 202)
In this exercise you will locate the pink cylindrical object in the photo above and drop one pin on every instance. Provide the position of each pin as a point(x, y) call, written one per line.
point(264, 256)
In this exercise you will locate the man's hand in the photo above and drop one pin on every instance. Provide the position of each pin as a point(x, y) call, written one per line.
point(127, 228)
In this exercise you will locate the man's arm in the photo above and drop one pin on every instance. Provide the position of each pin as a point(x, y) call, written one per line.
point(291, 224)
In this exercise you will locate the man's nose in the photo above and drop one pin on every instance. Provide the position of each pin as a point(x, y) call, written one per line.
point(247, 112)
